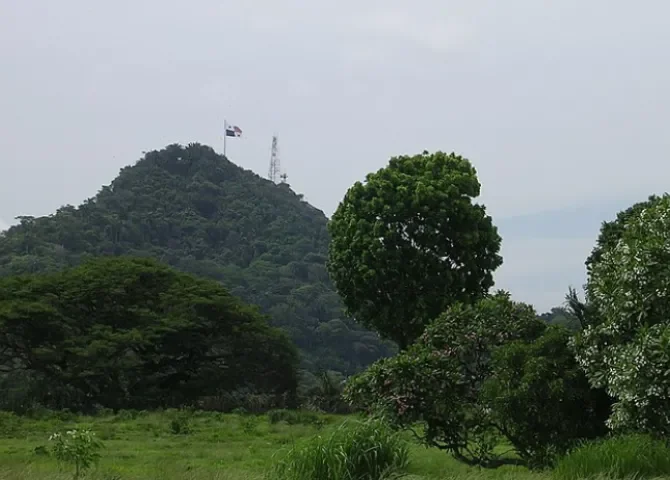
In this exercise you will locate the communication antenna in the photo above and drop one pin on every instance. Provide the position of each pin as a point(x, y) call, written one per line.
point(273, 172)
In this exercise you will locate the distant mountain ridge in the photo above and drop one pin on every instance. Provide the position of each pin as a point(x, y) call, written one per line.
point(197, 211)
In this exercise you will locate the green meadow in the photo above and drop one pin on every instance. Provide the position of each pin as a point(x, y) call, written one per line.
point(206, 445)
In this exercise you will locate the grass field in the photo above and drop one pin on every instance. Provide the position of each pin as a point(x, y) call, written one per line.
point(194, 446)
point(214, 446)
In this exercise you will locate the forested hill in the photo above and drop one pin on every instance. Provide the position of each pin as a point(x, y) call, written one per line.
point(195, 210)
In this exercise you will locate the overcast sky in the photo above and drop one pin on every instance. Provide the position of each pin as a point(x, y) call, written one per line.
point(562, 105)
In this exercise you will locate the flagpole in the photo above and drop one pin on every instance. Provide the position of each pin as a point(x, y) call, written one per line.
point(225, 135)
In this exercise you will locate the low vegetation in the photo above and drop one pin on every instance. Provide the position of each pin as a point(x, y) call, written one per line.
point(134, 445)
point(352, 451)
point(625, 457)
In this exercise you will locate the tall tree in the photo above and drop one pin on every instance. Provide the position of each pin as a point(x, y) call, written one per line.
point(625, 348)
point(409, 242)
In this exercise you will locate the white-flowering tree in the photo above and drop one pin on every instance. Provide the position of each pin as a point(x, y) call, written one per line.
point(627, 350)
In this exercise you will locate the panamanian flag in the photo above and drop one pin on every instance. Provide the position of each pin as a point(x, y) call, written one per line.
point(233, 131)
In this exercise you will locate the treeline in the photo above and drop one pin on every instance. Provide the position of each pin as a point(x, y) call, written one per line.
point(130, 333)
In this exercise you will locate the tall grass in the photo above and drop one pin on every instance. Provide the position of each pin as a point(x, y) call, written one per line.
point(367, 450)
point(624, 457)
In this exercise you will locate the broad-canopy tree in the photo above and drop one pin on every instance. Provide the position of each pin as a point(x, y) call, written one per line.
point(409, 242)
point(133, 333)
point(627, 350)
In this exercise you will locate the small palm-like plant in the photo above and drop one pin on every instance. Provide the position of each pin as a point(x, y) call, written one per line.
point(76, 447)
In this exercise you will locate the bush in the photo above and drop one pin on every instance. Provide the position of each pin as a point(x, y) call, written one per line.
point(180, 424)
point(10, 424)
point(294, 417)
point(630, 456)
point(325, 394)
point(437, 381)
point(78, 448)
point(127, 415)
point(246, 400)
point(530, 379)
point(363, 450)
point(249, 423)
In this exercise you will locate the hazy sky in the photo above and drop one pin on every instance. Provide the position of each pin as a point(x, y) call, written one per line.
point(562, 105)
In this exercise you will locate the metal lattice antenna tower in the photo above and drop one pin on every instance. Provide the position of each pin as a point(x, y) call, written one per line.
point(273, 172)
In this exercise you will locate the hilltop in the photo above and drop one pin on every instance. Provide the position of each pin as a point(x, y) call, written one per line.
point(195, 210)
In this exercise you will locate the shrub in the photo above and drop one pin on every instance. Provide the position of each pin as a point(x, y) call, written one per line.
point(77, 447)
point(325, 395)
point(530, 379)
point(10, 424)
point(437, 381)
point(126, 415)
point(249, 424)
point(362, 450)
point(247, 400)
point(630, 456)
point(180, 424)
point(293, 417)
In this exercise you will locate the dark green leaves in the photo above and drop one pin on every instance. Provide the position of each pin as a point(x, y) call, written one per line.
point(198, 212)
point(485, 373)
point(409, 242)
point(531, 379)
point(132, 333)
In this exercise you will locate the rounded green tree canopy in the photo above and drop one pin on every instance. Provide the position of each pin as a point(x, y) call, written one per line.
point(409, 242)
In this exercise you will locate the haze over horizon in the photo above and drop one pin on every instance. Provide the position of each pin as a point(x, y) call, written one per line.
point(561, 106)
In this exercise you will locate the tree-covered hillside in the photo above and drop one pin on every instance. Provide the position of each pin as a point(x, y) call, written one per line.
point(195, 210)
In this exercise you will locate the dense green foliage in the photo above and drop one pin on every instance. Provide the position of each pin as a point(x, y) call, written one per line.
point(195, 210)
point(485, 372)
point(120, 332)
point(627, 350)
point(562, 316)
point(611, 232)
point(413, 258)
point(409, 242)
point(367, 450)
point(540, 399)
point(79, 448)
point(437, 381)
